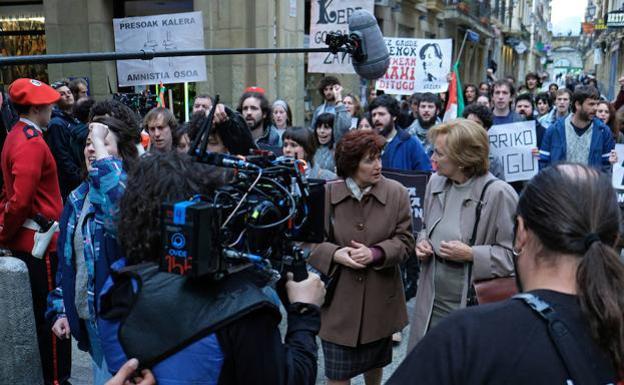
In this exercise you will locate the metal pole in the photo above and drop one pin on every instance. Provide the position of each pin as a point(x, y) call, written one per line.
point(148, 55)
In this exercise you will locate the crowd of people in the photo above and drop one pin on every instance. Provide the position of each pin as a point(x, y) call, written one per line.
point(83, 181)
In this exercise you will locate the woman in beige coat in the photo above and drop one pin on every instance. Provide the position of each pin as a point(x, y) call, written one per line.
point(448, 263)
point(369, 233)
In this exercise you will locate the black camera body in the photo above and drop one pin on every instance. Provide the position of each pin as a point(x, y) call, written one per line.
point(258, 218)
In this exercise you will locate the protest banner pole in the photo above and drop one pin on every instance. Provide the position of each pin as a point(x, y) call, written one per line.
point(463, 44)
point(186, 99)
point(149, 55)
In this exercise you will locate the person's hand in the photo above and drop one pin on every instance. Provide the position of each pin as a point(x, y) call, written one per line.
point(535, 152)
point(98, 131)
point(311, 290)
point(61, 328)
point(337, 93)
point(343, 257)
point(361, 253)
point(613, 158)
point(220, 115)
point(449, 77)
point(127, 376)
point(424, 251)
point(456, 251)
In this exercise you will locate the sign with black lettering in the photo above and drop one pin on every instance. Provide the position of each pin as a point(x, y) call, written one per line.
point(514, 144)
point(615, 19)
point(332, 16)
point(172, 32)
point(416, 184)
point(417, 65)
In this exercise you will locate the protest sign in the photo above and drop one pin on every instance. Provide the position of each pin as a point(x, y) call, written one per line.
point(513, 144)
point(417, 65)
point(329, 16)
point(172, 32)
point(416, 184)
point(617, 176)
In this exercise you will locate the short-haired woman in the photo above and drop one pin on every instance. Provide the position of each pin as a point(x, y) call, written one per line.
point(324, 140)
point(297, 143)
point(449, 262)
point(369, 233)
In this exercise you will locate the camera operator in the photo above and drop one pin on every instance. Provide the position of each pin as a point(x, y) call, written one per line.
point(140, 307)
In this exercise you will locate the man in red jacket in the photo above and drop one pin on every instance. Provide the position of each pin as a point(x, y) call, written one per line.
point(30, 199)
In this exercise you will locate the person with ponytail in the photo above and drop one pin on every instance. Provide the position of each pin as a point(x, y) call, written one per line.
point(566, 225)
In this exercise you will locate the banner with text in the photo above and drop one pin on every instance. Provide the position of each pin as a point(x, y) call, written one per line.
point(332, 16)
point(417, 65)
point(513, 144)
point(173, 32)
point(416, 183)
point(617, 176)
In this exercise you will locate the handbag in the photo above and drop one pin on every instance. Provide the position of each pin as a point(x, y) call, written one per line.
point(491, 289)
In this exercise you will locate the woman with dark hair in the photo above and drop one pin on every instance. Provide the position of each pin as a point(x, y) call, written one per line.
point(532, 83)
point(324, 141)
point(86, 242)
point(606, 113)
point(453, 248)
point(568, 325)
point(470, 94)
point(368, 225)
point(542, 104)
point(297, 143)
point(484, 88)
point(365, 122)
point(184, 141)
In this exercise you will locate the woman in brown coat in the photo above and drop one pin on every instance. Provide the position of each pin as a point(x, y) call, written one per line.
point(449, 263)
point(369, 233)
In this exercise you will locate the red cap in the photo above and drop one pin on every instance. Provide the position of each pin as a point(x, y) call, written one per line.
point(29, 92)
point(259, 90)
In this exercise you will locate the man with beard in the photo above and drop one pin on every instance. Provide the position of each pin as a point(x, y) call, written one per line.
point(58, 137)
point(502, 93)
point(426, 117)
point(525, 107)
point(256, 111)
point(580, 137)
point(331, 91)
point(202, 103)
point(402, 151)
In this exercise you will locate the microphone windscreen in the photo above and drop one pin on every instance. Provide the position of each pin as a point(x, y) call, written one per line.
point(364, 24)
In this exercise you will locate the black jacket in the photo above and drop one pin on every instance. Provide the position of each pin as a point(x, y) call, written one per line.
point(58, 137)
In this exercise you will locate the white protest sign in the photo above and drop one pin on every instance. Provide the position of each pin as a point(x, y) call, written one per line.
point(173, 32)
point(417, 65)
point(513, 144)
point(617, 176)
point(332, 16)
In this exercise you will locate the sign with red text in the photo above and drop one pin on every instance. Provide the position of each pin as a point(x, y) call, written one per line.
point(332, 16)
point(417, 65)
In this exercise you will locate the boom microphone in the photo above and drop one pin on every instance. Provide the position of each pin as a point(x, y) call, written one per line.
point(371, 57)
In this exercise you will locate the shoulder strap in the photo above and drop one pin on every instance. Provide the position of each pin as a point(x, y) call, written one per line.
point(564, 342)
point(479, 207)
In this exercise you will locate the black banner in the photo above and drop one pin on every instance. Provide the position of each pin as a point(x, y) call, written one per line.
point(416, 184)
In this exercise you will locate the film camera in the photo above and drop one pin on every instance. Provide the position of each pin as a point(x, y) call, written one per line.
point(257, 218)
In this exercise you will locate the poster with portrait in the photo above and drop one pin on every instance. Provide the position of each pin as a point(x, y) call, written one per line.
point(417, 65)
point(332, 16)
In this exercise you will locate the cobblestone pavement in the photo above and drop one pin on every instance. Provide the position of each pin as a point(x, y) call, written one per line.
point(83, 375)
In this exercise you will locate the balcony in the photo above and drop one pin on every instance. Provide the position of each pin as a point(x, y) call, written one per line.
point(472, 13)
